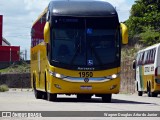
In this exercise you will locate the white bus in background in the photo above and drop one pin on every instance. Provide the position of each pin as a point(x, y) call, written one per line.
point(147, 66)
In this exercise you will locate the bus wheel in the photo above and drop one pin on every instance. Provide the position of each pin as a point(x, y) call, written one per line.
point(38, 94)
point(45, 86)
point(140, 93)
point(107, 98)
point(83, 96)
point(149, 91)
point(45, 96)
point(88, 96)
point(154, 94)
point(51, 97)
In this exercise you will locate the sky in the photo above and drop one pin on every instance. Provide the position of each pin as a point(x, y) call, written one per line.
point(19, 16)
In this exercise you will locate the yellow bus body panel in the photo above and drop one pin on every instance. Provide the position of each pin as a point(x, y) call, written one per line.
point(75, 87)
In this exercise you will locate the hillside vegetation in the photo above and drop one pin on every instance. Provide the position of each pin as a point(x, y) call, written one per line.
point(144, 21)
point(17, 68)
point(143, 25)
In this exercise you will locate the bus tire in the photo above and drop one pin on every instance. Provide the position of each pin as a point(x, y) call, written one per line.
point(45, 96)
point(88, 97)
point(45, 86)
point(80, 97)
point(51, 97)
point(137, 86)
point(140, 93)
point(83, 96)
point(154, 94)
point(38, 94)
point(149, 94)
point(149, 91)
point(107, 98)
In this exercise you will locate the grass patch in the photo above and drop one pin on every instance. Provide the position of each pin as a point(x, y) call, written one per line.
point(4, 88)
point(17, 68)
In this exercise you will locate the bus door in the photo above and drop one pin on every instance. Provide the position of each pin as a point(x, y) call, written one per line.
point(139, 72)
point(139, 78)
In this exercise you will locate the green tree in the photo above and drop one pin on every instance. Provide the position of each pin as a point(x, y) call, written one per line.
point(150, 36)
point(144, 21)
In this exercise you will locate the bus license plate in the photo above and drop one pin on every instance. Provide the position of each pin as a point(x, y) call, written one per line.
point(86, 87)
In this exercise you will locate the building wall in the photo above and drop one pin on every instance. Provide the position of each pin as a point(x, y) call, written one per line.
point(9, 53)
point(1, 25)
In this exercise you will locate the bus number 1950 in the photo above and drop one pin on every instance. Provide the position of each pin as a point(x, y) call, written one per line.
point(86, 74)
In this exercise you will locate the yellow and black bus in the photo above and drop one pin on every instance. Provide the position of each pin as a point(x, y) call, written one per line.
point(76, 49)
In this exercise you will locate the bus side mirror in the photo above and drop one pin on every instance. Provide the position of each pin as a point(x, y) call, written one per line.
point(134, 65)
point(46, 32)
point(124, 32)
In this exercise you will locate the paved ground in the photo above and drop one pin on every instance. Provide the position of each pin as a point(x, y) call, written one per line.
point(25, 101)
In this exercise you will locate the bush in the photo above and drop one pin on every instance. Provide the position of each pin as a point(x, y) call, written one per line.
point(150, 36)
point(130, 52)
point(4, 88)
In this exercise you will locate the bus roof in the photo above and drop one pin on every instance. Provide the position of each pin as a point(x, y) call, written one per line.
point(82, 8)
point(150, 47)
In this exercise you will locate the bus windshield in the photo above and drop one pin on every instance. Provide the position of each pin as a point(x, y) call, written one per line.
point(85, 41)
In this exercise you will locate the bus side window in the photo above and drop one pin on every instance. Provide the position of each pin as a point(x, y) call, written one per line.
point(137, 59)
point(142, 58)
point(147, 57)
point(154, 53)
point(152, 56)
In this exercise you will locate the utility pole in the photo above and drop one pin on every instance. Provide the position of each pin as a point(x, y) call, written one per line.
point(25, 54)
point(10, 55)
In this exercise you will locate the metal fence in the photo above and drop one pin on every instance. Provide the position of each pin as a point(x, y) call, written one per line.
point(127, 77)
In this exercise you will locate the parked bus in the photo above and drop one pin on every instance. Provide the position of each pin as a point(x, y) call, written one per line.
point(147, 66)
point(76, 49)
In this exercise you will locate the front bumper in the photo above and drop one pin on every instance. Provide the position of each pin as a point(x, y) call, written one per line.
point(93, 86)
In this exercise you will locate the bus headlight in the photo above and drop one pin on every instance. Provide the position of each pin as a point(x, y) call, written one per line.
point(57, 75)
point(114, 76)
